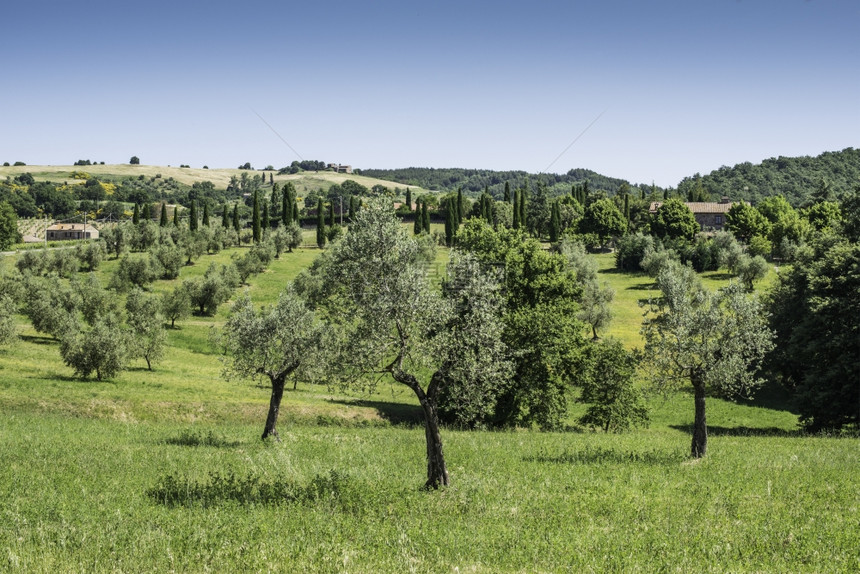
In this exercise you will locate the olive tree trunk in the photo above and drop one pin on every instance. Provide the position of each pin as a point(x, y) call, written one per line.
point(271, 429)
point(700, 429)
point(437, 472)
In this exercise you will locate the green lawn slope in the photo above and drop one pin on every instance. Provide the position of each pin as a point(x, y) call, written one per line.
point(164, 471)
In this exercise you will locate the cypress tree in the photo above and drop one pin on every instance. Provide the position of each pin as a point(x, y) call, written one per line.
point(459, 205)
point(554, 223)
point(148, 212)
point(225, 217)
point(320, 224)
point(523, 207)
point(665, 194)
point(425, 218)
point(206, 214)
point(286, 208)
point(408, 199)
point(236, 217)
point(272, 178)
point(418, 225)
point(627, 208)
point(449, 222)
point(163, 221)
point(296, 210)
point(192, 219)
point(135, 217)
point(517, 222)
point(507, 197)
point(351, 207)
point(176, 215)
point(266, 223)
point(256, 218)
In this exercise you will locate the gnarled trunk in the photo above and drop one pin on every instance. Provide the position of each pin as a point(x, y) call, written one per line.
point(700, 429)
point(437, 472)
point(274, 408)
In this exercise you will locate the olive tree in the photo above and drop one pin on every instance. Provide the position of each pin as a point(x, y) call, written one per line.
point(101, 349)
point(147, 337)
point(712, 341)
point(275, 342)
point(389, 320)
point(8, 329)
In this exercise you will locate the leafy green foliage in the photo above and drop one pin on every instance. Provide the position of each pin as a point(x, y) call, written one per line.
point(8, 226)
point(603, 219)
point(101, 349)
point(814, 309)
point(674, 220)
point(608, 386)
point(713, 341)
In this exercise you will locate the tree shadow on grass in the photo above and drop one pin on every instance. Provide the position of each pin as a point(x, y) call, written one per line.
point(717, 276)
point(40, 340)
point(600, 455)
point(188, 437)
point(394, 413)
point(744, 431)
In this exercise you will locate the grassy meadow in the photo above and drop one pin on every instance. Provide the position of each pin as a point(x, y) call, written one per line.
point(164, 471)
point(220, 177)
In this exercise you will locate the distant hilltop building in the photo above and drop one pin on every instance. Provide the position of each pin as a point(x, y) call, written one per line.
point(64, 231)
point(709, 214)
point(336, 167)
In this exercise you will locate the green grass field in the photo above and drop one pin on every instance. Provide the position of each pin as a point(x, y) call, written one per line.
point(164, 471)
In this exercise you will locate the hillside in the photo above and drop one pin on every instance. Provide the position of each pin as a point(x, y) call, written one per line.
point(474, 181)
point(794, 177)
point(220, 178)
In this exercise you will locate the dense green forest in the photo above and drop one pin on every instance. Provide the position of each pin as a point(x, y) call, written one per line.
point(796, 178)
point(478, 180)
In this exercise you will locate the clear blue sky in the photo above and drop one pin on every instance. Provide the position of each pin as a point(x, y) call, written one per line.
point(686, 85)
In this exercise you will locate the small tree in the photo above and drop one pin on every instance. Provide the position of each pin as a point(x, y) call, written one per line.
point(144, 319)
point(8, 226)
point(390, 320)
point(101, 349)
point(8, 329)
point(275, 342)
point(712, 341)
point(176, 304)
point(134, 160)
point(162, 222)
point(615, 404)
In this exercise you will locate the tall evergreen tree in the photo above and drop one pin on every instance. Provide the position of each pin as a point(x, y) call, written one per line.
point(352, 207)
point(286, 207)
point(627, 208)
point(459, 205)
point(449, 222)
point(206, 214)
point(408, 199)
point(517, 222)
point(265, 223)
point(523, 192)
point(236, 217)
point(148, 211)
point(176, 216)
point(554, 223)
point(507, 197)
point(192, 218)
point(320, 224)
point(418, 225)
point(257, 231)
point(135, 217)
point(425, 218)
point(225, 217)
point(163, 221)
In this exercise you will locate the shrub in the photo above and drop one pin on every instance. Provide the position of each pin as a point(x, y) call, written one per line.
point(631, 250)
point(102, 349)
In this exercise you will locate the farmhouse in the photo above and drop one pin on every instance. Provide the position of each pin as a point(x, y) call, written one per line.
point(63, 231)
point(336, 167)
point(709, 215)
